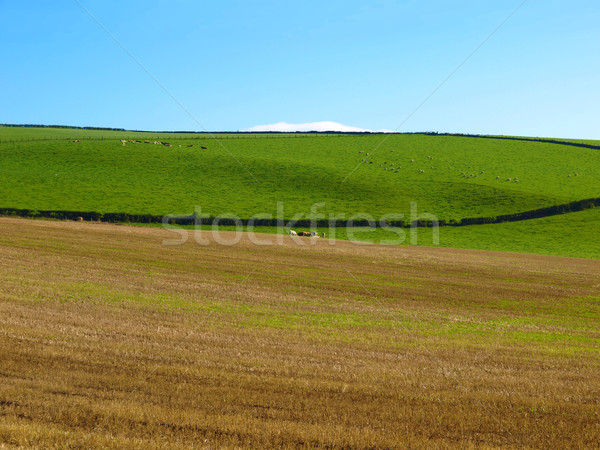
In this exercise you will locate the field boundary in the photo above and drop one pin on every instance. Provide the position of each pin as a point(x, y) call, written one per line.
point(514, 138)
point(191, 219)
point(197, 135)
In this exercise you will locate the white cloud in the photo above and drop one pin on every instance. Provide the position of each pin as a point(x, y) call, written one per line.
point(312, 126)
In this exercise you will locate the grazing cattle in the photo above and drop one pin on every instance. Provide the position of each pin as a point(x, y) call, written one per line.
point(304, 233)
point(293, 233)
point(146, 142)
point(322, 235)
point(79, 219)
point(370, 162)
point(204, 148)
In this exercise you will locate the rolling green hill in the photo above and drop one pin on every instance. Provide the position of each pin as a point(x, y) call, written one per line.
point(250, 174)
point(247, 175)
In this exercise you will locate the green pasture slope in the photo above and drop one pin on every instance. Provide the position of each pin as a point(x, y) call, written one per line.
point(248, 174)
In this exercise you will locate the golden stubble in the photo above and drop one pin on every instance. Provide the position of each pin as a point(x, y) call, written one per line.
point(110, 339)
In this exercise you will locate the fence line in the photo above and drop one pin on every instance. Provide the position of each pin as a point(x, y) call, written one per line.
point(565, 208)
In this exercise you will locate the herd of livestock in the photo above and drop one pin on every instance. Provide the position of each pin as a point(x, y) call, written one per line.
point(395, 169)
point(166, 144)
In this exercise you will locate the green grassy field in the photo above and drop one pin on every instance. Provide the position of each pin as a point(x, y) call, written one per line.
point(247, 175)
point(144, 178)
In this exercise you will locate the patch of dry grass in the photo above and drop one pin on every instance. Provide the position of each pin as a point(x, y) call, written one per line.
point(109, 339)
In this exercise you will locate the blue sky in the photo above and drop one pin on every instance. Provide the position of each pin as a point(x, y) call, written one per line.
point(368, 64)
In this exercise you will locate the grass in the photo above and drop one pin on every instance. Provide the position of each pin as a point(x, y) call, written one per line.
point(249, 175)
point(573, 234)
point(110, 338)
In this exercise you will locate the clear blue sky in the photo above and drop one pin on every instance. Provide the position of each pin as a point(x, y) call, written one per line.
point(368, 64)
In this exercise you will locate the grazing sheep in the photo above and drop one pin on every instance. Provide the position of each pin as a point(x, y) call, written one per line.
point(412, 160)
point(516, 181)
point(576, 174)
point(482, 172)
point(190, 145)
point(497, 178)
point(293, 233)
point(510, 179)
point(569, 175)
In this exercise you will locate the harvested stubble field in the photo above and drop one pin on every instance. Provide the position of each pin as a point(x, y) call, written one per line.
point(108, 338)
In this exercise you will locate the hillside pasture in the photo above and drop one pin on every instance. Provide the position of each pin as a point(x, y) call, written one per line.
point(248, 175)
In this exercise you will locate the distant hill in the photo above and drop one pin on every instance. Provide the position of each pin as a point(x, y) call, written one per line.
point(246, 175)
